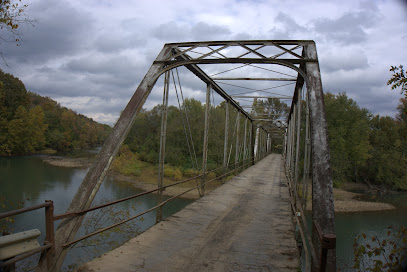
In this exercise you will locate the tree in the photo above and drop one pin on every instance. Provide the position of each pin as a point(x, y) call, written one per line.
point(399, 79)
point(387, 165)
point(12, 16)
point(348, 130)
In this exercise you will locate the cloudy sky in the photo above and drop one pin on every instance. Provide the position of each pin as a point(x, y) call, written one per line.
point(91, 55)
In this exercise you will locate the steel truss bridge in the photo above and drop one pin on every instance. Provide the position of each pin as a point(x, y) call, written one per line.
point(302, 126)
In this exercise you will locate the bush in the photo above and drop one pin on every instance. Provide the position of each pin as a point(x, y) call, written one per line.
point(172, 172)
point(168, 171)
point(190, 173)
point(126, 162)
point(177, 175)
point(210, 176)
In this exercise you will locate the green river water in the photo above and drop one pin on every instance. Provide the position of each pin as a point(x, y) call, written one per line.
point(32, 180)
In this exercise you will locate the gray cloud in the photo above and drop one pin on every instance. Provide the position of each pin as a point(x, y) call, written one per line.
point(350, 28)
point(175, 32)
point(286, 27)
point(61, 30)
point(92, 55)
point(345, 59)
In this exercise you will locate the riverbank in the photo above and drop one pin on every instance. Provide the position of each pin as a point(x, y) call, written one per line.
point(67, 161)
point(346, 199)
point(349, 202)
point(146, 181)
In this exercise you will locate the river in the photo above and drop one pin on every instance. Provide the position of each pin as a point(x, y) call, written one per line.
point(31, 180)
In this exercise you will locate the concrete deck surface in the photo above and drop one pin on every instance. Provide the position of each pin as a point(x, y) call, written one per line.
point(244, 225)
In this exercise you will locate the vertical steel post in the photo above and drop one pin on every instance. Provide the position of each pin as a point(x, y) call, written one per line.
point(237, 141)
point(225, 144)
point(297, 151)
point(293, 141)
point(205, 145)
point(256, 143)
point(307, 150)
point(288, 157)
point(322, 184)
point(244, 142)
point(252, 145)
point(163, 136)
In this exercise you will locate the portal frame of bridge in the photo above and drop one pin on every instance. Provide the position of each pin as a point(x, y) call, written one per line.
point(317, 152)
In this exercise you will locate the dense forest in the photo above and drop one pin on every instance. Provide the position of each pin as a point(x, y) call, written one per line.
point(30, 123)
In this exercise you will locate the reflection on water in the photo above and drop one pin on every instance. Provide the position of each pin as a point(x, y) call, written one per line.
point(349, 225)
point(32, 180)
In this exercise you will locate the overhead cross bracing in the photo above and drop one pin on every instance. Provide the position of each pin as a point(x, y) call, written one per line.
point(229, 74)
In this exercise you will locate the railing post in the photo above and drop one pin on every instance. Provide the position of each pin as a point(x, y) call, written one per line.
point(49, 232)
point(225, 144)
point(205, 145)
point(164, 114)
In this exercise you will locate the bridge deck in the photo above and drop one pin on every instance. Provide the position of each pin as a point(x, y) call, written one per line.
point(244, 225)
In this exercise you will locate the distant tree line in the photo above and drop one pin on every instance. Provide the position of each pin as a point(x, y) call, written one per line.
point(144, 136)
point(30, 123)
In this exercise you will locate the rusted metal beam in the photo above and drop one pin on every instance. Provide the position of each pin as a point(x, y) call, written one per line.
point(245, 141)
point(268, 97)
point(246, 42)
point(237, 140)
point(205, 144)
point(322, 185)
point(225, 144)
point(254, 78)
point(297, 154)
point(205, 78)
point(163, 136)
point(93, 179)
point(285, 62)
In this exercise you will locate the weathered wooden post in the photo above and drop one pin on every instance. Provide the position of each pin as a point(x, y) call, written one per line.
point(205, 145)
point(163, 136)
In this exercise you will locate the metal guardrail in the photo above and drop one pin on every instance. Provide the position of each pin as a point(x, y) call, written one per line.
point(49, 231)
point(327, 240)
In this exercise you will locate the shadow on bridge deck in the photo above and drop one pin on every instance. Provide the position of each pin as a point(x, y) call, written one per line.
point(244, 225)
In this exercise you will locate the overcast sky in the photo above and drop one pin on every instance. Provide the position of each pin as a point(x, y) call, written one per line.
point(91, 55)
